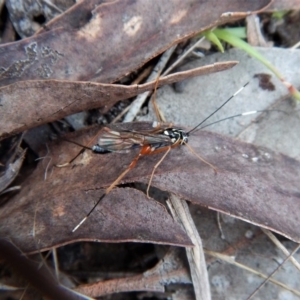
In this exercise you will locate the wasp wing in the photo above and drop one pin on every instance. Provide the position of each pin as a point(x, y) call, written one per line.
point(124, 141)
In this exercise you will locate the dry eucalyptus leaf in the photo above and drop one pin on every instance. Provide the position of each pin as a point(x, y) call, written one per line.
point(113, 38)
point(252, 183)
point(50, 100)
point(46, 214)
point(125, 215)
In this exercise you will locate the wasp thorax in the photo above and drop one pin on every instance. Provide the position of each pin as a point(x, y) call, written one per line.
point(176, 135)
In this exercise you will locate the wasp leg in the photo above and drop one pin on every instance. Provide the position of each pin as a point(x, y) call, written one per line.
point(201, 158)
point(154, 169)
point(145, 150)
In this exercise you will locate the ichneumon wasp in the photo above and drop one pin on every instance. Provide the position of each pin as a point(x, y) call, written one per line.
point(161, 139)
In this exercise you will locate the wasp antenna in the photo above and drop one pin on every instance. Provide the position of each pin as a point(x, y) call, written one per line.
point(247, 113)
point(250, 112)
point(69, 162)
point(78, 144)
point(232, 96)
point(84, 219)
point(79, 224)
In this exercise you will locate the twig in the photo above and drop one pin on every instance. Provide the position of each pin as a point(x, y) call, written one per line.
point(180, 211)
point(183, 56)
point(232, 261)
point(279, 245)
point(275, 271)
point(140, 99)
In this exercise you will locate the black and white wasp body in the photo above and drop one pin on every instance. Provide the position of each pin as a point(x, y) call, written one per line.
point(124, 141)
point(161, 138)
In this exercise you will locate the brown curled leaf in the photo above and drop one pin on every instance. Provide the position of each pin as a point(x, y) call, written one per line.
point(95, 41)
point(50, 100)
point(124, 215)
point(252, 183)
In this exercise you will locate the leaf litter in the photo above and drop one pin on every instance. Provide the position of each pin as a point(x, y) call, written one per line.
point(138, 175)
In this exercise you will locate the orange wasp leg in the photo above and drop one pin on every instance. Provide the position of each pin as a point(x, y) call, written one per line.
point(155, 167)
point(146, 150)
point(167, 150)
point(201, 158)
